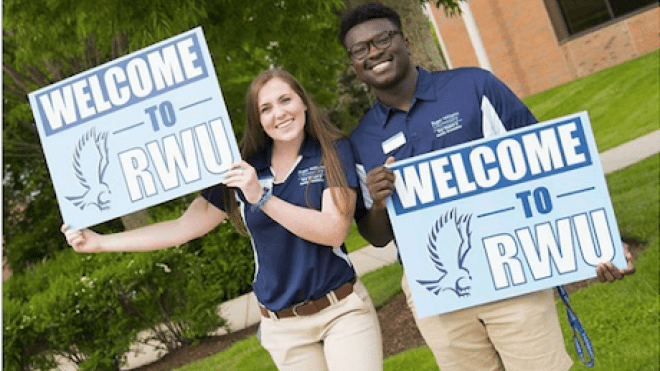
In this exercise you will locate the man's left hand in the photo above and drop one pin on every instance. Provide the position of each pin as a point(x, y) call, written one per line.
point(607, 272)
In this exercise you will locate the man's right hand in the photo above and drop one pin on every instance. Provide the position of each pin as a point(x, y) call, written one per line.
point(380, 182)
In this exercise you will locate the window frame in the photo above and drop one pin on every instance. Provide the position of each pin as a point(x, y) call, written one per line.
point(560, 25)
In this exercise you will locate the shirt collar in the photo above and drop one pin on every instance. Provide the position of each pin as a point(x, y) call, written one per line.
point(261, 160)
point(425, 90)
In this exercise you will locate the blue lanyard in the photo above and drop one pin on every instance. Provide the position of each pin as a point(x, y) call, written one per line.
point(579, 334)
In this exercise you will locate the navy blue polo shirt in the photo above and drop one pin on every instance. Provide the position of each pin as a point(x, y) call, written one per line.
point(449, 108)
point(289, 269)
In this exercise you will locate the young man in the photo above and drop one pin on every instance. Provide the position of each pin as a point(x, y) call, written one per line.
point(521, 333)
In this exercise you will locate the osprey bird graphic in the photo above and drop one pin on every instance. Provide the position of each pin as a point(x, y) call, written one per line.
point(448, 244)
point(90, 161)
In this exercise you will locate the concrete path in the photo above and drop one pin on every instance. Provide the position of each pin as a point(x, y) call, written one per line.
point(243, 312)
point(630, 153)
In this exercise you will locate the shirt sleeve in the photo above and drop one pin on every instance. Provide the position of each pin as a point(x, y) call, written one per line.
point(347, 158)
point(363, 202)
point(501, 109)
point(215, 195)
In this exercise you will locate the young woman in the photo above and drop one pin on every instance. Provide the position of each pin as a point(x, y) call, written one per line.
point(295, 192)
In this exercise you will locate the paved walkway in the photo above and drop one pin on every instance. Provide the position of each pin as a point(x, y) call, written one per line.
point(243, 312)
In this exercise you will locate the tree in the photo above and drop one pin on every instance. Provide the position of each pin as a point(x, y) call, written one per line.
point(46, 41)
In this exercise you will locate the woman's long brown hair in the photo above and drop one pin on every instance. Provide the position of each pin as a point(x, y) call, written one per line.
point(256, 140)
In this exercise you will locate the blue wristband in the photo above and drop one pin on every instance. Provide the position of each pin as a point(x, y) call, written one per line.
point(265, 196)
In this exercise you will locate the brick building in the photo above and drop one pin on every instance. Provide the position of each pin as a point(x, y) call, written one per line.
point(533, 45)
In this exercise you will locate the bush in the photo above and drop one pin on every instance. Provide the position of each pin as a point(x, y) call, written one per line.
point(90, 308)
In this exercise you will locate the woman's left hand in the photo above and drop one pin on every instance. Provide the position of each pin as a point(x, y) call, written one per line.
point(243, 176)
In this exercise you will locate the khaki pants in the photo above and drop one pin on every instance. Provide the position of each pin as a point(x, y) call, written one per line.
point(343, 337)
point(516, 334)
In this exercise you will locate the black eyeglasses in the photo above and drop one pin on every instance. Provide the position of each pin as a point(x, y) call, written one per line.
point(381, 41)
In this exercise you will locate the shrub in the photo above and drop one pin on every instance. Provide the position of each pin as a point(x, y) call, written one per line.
point(89, 308)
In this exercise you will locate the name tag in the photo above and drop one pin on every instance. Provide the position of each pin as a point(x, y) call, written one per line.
point(394, 142)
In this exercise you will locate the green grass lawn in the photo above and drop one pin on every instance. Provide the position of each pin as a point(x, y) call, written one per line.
point(354, 241)
point(621, 318)
point(622, 101)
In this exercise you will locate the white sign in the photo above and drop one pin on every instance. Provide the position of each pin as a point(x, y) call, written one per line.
point(135, 132)
point(503, 216)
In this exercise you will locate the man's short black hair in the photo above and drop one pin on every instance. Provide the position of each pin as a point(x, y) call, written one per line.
point(366, 12)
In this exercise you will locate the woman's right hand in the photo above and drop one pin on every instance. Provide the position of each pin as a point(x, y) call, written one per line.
point(83, 241)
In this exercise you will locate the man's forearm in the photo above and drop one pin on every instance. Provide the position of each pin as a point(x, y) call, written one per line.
point(375, 227)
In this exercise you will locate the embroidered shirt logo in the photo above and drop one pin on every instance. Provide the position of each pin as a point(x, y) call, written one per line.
point(446, 124)
point(312, 174)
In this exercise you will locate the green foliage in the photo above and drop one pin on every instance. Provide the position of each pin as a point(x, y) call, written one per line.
point(46, 41)
point(68, 314)
point(22, 346)
point(90, 308)
point(450, 6)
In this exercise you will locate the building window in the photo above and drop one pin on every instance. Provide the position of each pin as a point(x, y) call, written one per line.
point(570, 17)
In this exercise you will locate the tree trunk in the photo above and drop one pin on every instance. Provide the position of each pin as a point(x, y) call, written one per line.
point(423, 47)
point(136, 219)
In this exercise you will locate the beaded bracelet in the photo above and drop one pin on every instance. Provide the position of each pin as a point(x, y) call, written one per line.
point(265, 195)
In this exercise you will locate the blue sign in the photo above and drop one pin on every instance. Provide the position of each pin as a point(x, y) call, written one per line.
point(503, 216)
point(135, 132)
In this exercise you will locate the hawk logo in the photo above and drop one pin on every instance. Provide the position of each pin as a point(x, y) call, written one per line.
point(90, 161)
point(448, 244)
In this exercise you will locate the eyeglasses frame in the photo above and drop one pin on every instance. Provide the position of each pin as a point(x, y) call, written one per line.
point(370, 42)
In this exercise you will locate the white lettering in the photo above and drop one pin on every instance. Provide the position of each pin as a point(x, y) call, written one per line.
point(543, 153)
point(139, 78)
point(512, 159)
point(479, 157)
point(188, 58)
point(600, 249)
point(569, 143)
point(115, 86)
point(442, 177)
point(99, 100)
point(175, 161)
point(546, 249)
point(82, 98)
point(118, 95)
point(165, 67)
point(221, 162)
point(58, 105)
point(501, 252)
point(414, 185)
point(134, 164)
point(464, 184)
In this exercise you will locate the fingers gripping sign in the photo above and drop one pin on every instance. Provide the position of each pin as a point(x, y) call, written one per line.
point(607, 272)
point(85, 240)
point(243, 176)
point(380, 182)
